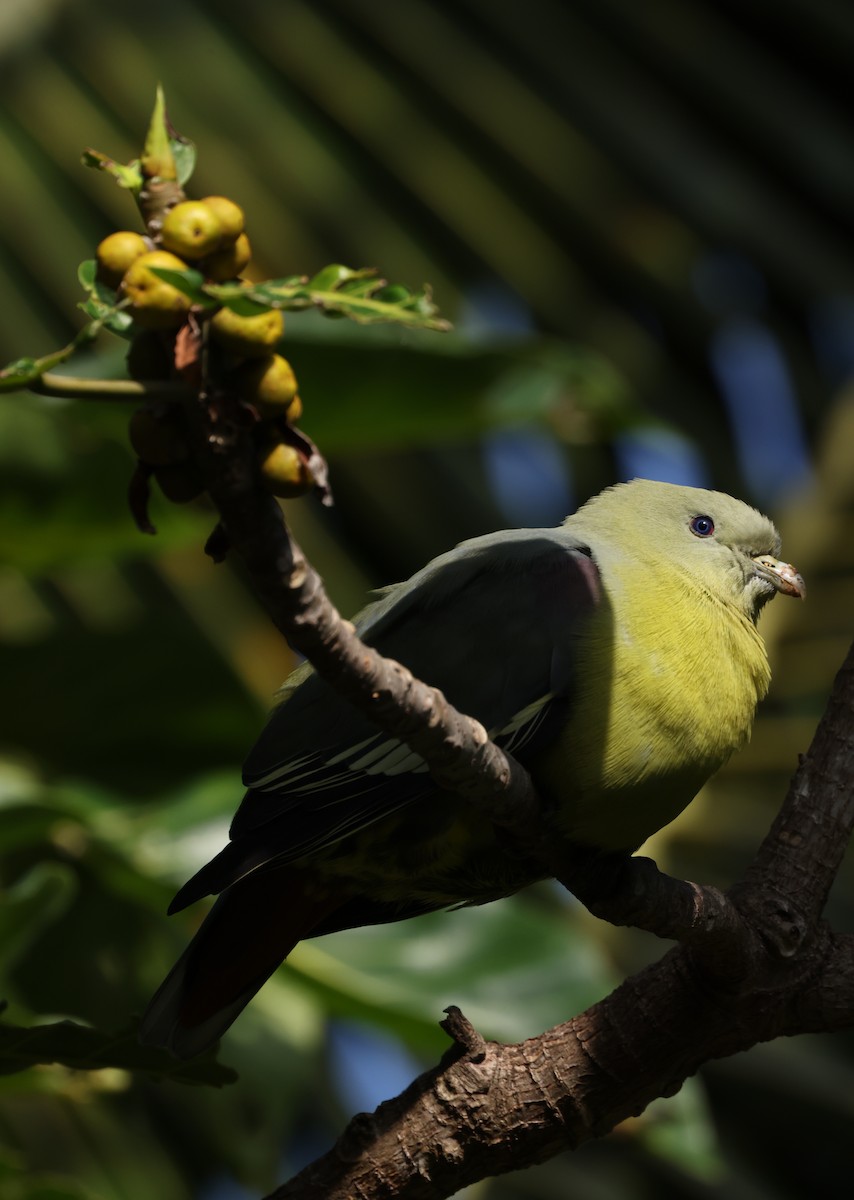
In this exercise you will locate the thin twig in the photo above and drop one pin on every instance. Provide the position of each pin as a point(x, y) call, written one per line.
point(73, 387)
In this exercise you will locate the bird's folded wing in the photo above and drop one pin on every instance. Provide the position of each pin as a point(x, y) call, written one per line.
point(493, 624)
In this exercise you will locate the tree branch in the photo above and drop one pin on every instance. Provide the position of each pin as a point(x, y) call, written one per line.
point(456, 747)
point(487, 1109)
point(804, 848)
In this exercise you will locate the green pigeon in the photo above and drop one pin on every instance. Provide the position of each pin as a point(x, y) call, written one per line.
point(616, 657)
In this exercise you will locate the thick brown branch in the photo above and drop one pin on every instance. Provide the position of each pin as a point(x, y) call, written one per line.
point(826, 1003)
point(627, 890)
point(804, 848)
point(491, 1109)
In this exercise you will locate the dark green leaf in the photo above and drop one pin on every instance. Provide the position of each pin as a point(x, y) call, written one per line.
point(330, 277)
point(184, 153)
point(338, 290)
point(362, 283)
point(248, 300)
point(86, 274)
point(680, 1130)
point(96, 288)
point(512, 975)
point(108, 316)
point(190, 282)
point(394, 293)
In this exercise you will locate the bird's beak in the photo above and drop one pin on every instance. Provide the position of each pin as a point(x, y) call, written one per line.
point(784, 576)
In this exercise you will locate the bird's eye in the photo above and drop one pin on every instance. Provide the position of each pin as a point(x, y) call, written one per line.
point(702, 526)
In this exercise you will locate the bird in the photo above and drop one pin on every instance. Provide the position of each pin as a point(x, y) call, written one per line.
point(616, 657)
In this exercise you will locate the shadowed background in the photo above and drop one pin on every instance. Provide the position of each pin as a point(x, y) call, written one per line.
point(638, 219)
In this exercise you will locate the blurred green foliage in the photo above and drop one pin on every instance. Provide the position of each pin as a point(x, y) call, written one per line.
point(597, 192)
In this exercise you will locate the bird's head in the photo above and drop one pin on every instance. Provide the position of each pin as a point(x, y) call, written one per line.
point(729, 548)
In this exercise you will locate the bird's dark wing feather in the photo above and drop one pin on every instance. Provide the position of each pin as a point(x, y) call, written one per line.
point(493, 624)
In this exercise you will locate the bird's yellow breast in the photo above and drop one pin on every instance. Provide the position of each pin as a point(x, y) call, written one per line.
point(667, 685)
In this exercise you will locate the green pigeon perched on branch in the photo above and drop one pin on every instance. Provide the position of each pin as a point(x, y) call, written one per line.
point(616, 657)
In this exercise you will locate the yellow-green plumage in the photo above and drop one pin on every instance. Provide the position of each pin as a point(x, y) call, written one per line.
point(670, 672)
point(617, 657)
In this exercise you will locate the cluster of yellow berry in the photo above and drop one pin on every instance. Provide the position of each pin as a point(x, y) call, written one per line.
point(209, 236)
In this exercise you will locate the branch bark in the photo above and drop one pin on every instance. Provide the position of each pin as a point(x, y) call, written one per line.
point(487, 1108)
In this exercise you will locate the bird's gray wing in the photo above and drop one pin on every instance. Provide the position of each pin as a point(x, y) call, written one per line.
point(493, 624)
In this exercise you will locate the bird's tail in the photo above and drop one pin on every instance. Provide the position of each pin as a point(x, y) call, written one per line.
point(250, 930)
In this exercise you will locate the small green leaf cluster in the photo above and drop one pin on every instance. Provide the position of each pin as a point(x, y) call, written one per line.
point(340, 291)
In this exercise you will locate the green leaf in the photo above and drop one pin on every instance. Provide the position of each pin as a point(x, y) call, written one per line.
point(86, 274)
point(361, 286)
point(102, 305)
point(108, 317)
point(394, 293)
point(680, 1130)
point(184, 154)
point(252, 299)
point(330, 277)
point(129, 176)
point(512, 975)
point(85, 1049)
point(190, 282)
point(340, 291)
point(87, 277)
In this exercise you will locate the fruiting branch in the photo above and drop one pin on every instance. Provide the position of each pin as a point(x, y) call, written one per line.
point(198, 331)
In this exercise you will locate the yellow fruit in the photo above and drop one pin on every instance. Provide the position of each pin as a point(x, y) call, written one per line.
point(247, 337)
point(229, 214)
point(116, 253)
point(294, 410)
point(180, 483)
point(269, 384)
point(155, 304)
point(157, 436)
point(286, 472)
point(230, 261)
point(191, 229)
point(151, 355)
